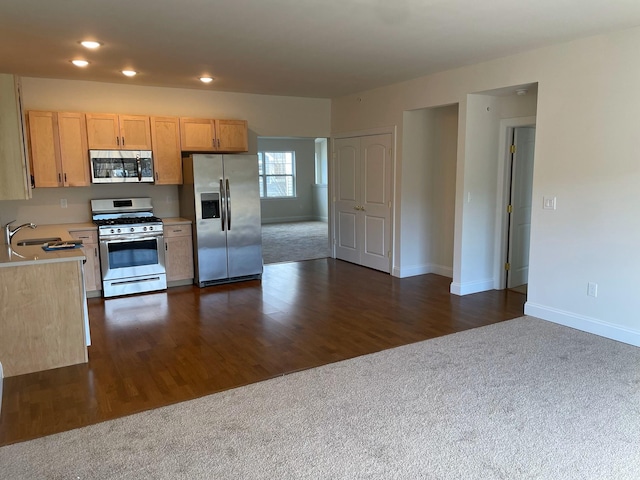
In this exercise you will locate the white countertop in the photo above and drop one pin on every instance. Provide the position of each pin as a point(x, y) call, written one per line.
point(31, 255)
point(175, 221)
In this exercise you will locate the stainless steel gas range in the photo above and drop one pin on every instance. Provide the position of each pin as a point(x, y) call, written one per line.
point(131, 246)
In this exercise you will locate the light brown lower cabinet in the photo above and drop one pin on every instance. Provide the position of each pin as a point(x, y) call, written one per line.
point(41, 317)
point(90, 247)
point(178, 246)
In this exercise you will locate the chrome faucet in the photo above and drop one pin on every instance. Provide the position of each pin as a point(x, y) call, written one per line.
point(9, 233)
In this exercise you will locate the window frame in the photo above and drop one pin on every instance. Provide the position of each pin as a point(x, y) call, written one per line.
point(263, 177)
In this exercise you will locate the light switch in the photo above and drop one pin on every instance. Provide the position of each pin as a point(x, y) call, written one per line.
point(549, 203)
point(63, 202)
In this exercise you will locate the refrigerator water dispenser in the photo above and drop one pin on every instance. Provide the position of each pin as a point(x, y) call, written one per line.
point(210, 205)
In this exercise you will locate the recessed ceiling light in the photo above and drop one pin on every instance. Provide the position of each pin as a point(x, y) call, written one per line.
point(80, 63)
point(129, 73)
point(90, 44)
point(206, 79)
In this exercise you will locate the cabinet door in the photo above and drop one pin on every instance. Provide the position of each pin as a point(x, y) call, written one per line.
point(178, 252)
point(167, 159)
point(92, 275)
point(231, 136)
point(45, 152)
point(103, 132)
point(135, 132)
point(197, 134)
point(72, 130)
point(14, 172)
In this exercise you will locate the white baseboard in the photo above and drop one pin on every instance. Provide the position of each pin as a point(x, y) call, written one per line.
point(468, 288)
point(586, 324)
point(442, 270)
point(1, 382)
point(412, 271)
point(265, 221)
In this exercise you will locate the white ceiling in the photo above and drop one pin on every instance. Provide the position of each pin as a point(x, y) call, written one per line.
point(312, 48)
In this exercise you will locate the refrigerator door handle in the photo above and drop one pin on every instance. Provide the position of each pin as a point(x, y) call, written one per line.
point(228, 206)
point(223, 215)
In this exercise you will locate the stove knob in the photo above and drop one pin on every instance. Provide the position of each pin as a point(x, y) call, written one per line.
point(133, 229)
point(151, 228)
point(112, 231)
point(118, 230)
point(144, 229)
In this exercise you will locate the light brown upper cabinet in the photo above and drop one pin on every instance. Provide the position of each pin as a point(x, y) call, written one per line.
point(58, 145)
point(209, 135)
point(14, 171)
point(107, 131)
point(167, 158)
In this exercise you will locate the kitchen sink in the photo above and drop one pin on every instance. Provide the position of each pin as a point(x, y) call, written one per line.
point(37, 241)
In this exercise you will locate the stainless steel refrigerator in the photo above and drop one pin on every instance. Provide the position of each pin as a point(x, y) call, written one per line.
point(220, 195)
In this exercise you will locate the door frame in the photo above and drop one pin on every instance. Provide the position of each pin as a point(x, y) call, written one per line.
point(503, 186)
point(392, 130)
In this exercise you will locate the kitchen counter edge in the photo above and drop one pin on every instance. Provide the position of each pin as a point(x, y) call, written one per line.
point(34, 254)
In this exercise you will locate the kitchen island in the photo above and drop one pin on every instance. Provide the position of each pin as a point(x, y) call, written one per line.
point(43, 314)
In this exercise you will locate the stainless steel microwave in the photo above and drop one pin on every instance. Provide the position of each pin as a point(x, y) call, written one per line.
point(121, 166)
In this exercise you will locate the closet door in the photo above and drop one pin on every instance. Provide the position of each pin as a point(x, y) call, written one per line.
point(347, 191)
point(362, 214)
point(375, 194)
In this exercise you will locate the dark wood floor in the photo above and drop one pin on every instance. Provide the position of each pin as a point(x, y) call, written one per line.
point(157, 349)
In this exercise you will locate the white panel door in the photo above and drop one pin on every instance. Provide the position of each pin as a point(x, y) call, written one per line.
point(521, 199)
point(347, 183)
point(375, 154)
point(363, 200)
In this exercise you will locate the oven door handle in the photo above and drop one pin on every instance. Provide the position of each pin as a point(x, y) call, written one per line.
point(130, 238)
point(228, 206)
point(223, 216)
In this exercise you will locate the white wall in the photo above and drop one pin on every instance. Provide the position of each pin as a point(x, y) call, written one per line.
point(443, 184)
point(586, 155)
point(321, 202)
point(321, 187)
point(413, 256)
point(300, 208)
point(429, 149)
point(266, 116)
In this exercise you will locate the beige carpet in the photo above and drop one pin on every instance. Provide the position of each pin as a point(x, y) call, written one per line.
point(294, 242)
point(523, 399)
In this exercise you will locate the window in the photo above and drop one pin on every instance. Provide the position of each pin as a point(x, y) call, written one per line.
point(277, 174)
point(321, 161)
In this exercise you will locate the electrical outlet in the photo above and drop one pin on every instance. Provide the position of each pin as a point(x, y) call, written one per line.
point(592, 289)
point(63, 203)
